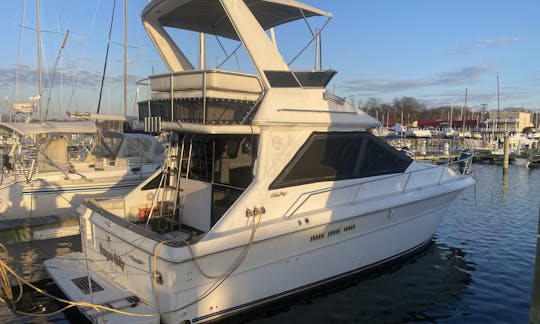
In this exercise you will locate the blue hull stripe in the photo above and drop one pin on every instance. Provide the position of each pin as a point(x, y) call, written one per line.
point(76, 190)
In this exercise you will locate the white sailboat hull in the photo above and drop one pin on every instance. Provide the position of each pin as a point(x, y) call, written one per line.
point(55, 193)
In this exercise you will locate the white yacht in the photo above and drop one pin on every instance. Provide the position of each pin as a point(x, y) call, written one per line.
point(271, 186)
point(49, 168)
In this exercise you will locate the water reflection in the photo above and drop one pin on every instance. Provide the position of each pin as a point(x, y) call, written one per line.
point(422, 288)
point(505, 185)
point(534, 316)
point(27, 260)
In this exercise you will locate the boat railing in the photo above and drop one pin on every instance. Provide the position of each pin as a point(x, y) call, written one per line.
point(200, 96)
point(402, 183)
point(31, 161)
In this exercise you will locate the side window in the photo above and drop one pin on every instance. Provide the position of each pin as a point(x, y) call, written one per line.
point(324, 157)
point(380, 158)
point(155, 182)
point(339, 156)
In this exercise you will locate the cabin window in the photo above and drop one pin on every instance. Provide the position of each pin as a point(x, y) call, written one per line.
point(220, 159)
point(138, 146)
point(338, 156)
point(234, 156)
point(156, 181)
point(108, 145)
point(224, 161)
point(233, 170)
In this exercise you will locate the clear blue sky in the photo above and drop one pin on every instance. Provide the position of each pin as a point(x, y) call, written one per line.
point(430, 50)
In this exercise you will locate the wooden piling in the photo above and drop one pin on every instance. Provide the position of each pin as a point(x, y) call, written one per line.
point(506, 156)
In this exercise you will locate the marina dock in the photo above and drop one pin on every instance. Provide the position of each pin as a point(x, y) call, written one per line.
point(38, 228)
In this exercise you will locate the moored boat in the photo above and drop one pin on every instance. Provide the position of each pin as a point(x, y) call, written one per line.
point(271, 186)
point(49, 168)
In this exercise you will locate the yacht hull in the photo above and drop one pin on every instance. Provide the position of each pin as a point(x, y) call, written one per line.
point(273, 268)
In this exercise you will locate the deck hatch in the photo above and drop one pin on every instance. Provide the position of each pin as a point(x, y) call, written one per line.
point(82, 284)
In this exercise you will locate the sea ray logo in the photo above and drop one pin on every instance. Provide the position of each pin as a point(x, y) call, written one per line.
point(278, 194)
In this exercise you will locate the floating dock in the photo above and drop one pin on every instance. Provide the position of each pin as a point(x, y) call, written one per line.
point(38, 228)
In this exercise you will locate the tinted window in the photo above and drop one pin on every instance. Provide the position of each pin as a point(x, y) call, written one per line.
point(379, 158)
point(339, 156)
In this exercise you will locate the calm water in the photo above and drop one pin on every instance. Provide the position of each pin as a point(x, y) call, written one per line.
point(479, 268)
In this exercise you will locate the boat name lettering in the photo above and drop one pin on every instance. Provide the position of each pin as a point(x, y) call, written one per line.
point(115, 258)
point(279, 194)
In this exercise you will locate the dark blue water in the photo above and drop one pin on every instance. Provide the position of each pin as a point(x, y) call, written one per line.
point(478, 269)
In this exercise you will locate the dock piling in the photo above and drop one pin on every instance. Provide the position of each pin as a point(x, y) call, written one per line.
point(506, 153)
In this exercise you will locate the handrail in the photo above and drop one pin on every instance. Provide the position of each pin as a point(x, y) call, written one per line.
point(155, 76)
point(203, 87)
point(464, 167)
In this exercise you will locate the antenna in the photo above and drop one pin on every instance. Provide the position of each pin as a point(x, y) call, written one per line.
point(317, 49)
point(38, 18)
point(125, 56)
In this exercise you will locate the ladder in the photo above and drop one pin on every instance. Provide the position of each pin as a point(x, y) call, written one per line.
point(180, 187)
point(170, 194)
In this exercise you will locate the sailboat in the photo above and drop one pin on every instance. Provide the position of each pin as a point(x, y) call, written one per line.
point(271, 186)
point(48, 168)
point(35, 103)
point(26, 107)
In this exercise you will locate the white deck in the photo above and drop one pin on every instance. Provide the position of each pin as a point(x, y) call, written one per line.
point(71, 266)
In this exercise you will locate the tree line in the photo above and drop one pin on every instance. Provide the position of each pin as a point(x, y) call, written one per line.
point(408, 109)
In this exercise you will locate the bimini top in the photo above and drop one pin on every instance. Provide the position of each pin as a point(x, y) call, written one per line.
point(209, 16)
point(49, 127)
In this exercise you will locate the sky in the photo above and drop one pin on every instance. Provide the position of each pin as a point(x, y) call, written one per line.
point(434, 51)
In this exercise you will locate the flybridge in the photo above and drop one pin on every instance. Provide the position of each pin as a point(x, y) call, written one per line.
point(245, 21)
point(213, 96)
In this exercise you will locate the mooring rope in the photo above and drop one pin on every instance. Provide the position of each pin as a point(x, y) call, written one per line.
point(6, 295)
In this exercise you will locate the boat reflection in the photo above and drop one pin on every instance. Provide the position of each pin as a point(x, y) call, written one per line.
point(423, 287)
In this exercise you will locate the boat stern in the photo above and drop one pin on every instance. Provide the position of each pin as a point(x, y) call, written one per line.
point(99, 298)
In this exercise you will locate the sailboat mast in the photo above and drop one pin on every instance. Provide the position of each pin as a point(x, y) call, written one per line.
point(125, 56)
point(451, 114)
point(464, 112)
point(38, 28)
point(498, 107)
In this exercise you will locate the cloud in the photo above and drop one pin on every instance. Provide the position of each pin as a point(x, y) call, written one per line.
point(444, 88)
point(462, 76)
point(383, 85)
point(484, 44)
point(26, 76)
